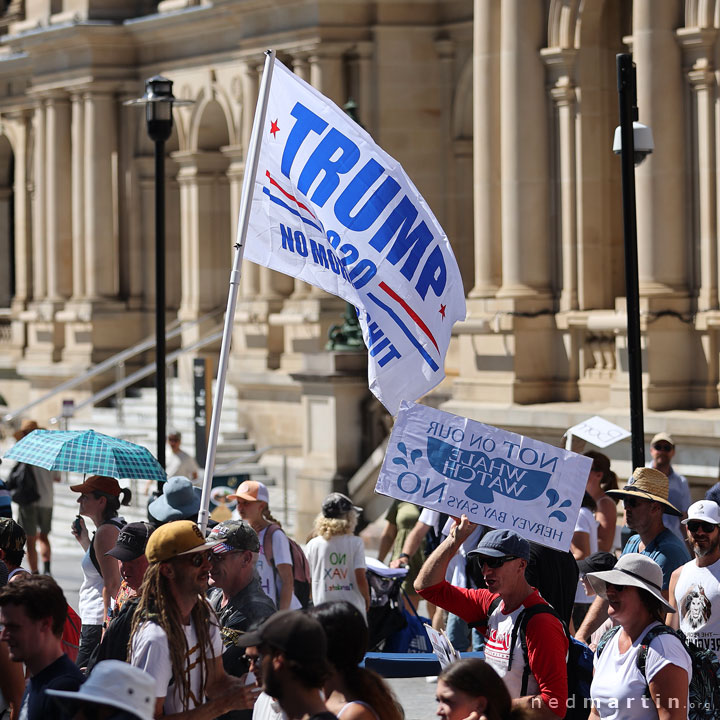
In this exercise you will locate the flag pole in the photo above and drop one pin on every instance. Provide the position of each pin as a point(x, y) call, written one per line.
point(251, 164)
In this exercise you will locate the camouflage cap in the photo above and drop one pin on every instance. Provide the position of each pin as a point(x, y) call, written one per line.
point(12, 536)
point(234, 535)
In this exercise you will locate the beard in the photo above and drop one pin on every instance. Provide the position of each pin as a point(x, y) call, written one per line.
point(710, 548)
point(271, 682)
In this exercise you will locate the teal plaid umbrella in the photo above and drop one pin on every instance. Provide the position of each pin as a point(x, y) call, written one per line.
point(86, 451)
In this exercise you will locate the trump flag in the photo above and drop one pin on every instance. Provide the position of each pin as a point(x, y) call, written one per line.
point(332, 208)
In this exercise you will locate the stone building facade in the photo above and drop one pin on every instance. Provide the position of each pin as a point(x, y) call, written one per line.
point(501, 111)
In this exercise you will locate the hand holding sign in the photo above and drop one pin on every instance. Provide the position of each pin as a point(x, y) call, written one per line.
point(461, 530)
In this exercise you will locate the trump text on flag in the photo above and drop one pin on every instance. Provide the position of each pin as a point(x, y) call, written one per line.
point(497, 478)
point(332, 208)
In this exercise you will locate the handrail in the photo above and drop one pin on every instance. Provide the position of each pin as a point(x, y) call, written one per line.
point(144, 372)
point(174, 329)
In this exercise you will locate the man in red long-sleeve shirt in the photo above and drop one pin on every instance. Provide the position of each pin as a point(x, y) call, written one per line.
point(504, 555)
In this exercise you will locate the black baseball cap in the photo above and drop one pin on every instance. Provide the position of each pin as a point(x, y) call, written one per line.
point(131, 541)
point(234, 535)
point(299, 636)
point(335, 505)
point(597, 562)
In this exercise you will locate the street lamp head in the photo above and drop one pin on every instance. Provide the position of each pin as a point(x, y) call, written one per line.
point(158, 101)
point(158, 107)
point(643, 143)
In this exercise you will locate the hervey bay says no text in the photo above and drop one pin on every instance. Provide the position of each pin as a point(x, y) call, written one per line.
point(496, 478)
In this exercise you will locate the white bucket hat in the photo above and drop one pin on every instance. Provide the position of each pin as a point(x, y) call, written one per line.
point(634, 569)
point(117, 684)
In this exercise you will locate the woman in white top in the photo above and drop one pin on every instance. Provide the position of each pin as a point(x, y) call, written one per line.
point(337, 556)
point(276, 573)
point(100, 498)
point(619, 690)
point(583, 544)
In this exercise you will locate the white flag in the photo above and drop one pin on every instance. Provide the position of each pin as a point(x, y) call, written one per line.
point(333, 209)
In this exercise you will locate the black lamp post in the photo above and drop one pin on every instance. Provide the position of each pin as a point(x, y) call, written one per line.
point(632, 153)
point(158, 101)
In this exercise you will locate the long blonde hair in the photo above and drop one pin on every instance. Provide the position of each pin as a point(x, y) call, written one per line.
point(331, 527)
point(157, 605)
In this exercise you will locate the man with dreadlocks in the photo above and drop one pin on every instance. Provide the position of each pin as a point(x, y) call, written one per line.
point(175, 634)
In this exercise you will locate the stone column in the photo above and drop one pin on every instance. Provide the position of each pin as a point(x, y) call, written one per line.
point(6, 240)
point(101, 241)
point(446, 216)
point(523, 151)
point(702, 82)
point(563, 95)
point(326, 72)
point(129, 205)
point(486, 154)
point(20, 128)
point(250, 278)
point(58, 196)
point(78, 195)
point(661, 207)
point(39, 227)
point(365, 98)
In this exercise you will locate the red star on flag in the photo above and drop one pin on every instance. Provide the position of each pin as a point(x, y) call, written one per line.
point(442, 311)
point(274, 127)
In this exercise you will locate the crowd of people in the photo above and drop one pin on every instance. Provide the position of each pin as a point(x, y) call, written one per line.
point(173, 622)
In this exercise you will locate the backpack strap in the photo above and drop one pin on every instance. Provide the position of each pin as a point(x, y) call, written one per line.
point(608, 635)
point(267, 542)
point(519, 631)
point(118, 523)
point(641, 659)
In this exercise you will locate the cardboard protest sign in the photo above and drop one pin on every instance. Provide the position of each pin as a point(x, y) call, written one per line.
point(598, 431)
point(497, 478)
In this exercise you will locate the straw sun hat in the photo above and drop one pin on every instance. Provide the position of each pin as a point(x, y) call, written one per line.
point(647, 484)
point(634, 569)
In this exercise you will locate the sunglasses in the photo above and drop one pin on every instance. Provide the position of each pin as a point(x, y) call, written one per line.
point(663, 447)
point(616, 588)
point(632, 502)
point(253, 659)
point(221, 557)
point(494, 563)
point(198, 559)
point(694, 525)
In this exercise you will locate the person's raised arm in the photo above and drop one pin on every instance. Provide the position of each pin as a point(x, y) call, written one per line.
point(433, 570)
point(594, 618)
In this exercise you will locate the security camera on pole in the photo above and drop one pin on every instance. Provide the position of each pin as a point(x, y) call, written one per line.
point(633, 142)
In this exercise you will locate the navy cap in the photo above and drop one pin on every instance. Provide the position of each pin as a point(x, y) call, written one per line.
point(502, 543)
